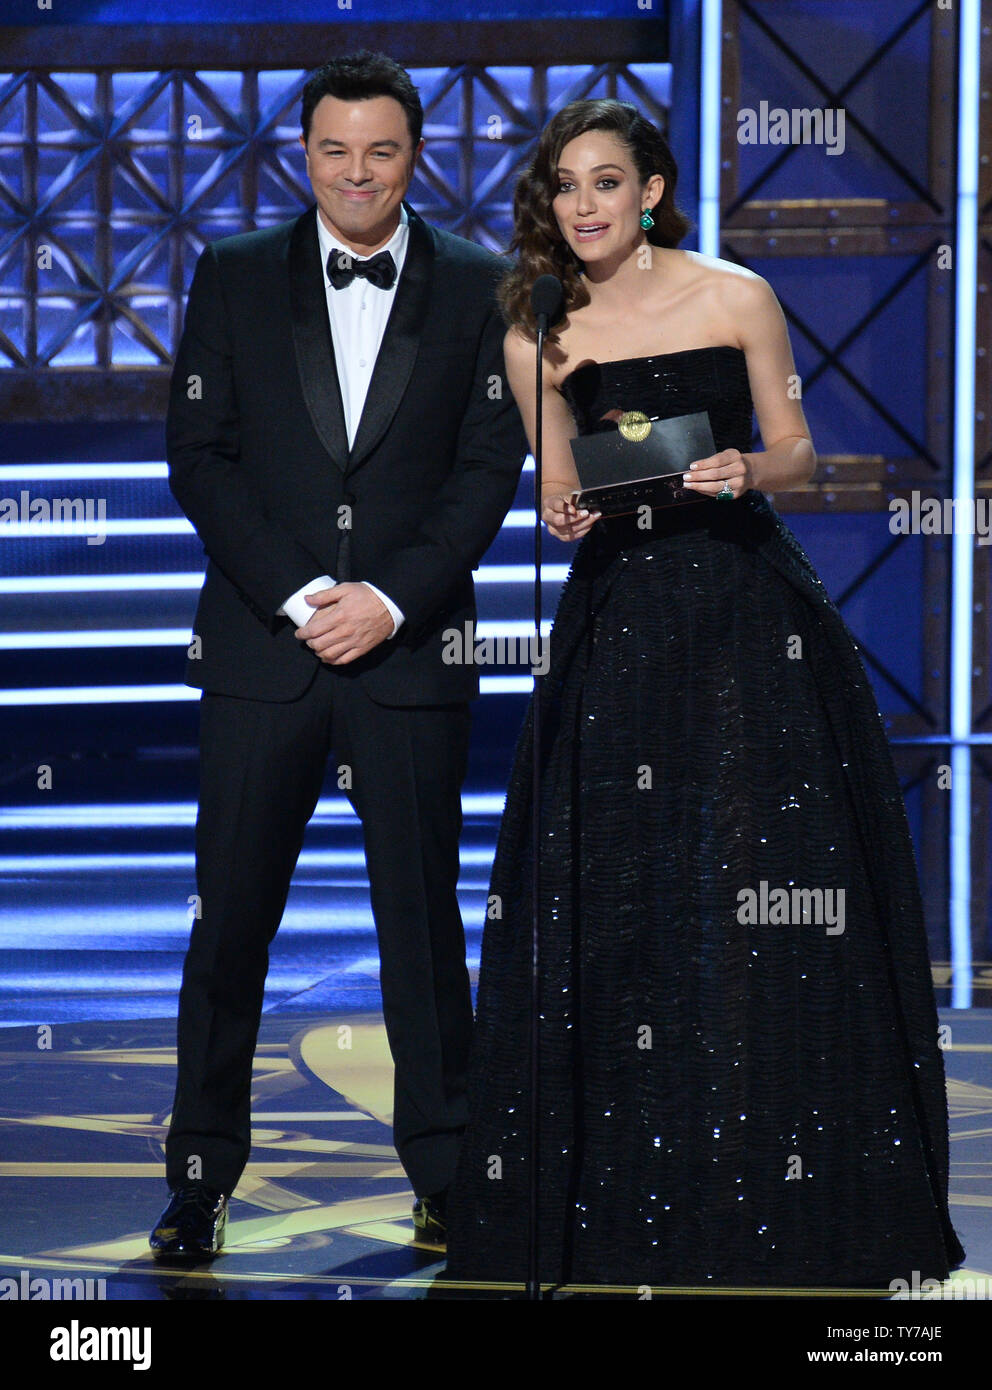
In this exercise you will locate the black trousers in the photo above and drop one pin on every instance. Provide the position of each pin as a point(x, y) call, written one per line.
point(261, 769)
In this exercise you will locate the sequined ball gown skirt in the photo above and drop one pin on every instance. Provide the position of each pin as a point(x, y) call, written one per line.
point(727, 1097)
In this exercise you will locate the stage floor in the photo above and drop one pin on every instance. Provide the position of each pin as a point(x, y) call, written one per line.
point(323, 1210)
point(92, 939)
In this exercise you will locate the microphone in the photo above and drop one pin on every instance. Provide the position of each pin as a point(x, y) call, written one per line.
point(547, 300)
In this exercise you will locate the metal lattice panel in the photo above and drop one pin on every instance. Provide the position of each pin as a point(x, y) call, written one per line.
point(111, 183)
point(859, 264)
point(856, 248)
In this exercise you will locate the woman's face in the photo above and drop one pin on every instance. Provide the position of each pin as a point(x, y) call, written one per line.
point(600, 198)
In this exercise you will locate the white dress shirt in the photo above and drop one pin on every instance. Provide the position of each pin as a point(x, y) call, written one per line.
point(357, 314)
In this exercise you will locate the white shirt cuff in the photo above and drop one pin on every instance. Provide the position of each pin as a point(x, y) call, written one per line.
point(301, 612)
point(395, 613)
point(296, 608)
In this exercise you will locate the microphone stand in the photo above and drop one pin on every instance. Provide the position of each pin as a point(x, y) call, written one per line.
point(548, 306)
point(533, 1277)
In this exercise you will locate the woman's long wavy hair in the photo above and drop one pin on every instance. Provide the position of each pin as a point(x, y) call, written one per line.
point(537, 241)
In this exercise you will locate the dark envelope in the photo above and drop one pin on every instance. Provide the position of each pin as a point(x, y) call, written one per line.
point(619, 475)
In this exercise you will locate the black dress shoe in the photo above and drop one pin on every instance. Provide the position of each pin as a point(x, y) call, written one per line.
point(193, 1224)
point(430, 1219)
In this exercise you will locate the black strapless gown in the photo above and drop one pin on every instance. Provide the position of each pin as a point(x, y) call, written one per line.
point(721, 1103)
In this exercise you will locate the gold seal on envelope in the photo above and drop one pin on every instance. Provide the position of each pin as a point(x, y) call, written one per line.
point(634, 425)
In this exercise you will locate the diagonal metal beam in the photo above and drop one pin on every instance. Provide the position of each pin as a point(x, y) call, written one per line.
point(836, 99)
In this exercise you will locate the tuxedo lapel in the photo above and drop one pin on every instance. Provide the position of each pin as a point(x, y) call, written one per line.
point(312, 337)
point(315, 348)
point(400, 340)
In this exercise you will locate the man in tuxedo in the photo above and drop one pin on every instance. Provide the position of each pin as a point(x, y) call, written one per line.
point(342, 438)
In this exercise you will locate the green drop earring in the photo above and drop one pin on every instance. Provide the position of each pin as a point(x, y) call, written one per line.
point(647, 221)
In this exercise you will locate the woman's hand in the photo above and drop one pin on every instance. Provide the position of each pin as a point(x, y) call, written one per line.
point(710, 475)
point(564, 520)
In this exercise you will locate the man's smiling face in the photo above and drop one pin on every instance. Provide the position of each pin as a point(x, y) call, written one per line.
point(360, 160)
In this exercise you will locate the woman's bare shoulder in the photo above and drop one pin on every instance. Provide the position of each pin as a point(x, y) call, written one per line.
point(739, 288)
point(732, 298)
point(716, 271)
point(519, 352)
point(517, 347)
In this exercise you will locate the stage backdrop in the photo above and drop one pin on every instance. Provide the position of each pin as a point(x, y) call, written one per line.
point(126, 144)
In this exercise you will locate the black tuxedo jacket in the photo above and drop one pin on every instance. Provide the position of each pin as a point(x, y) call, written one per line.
point(259, 459)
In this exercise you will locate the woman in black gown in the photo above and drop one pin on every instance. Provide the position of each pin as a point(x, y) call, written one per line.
point(727, 1097)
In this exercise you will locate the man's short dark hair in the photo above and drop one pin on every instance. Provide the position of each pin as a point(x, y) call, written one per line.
point(359, 76)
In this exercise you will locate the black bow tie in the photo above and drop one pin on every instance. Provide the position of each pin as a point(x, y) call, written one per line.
point(342, 268)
